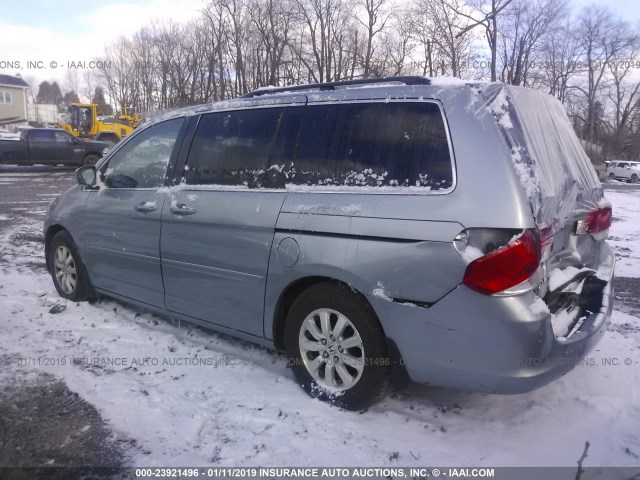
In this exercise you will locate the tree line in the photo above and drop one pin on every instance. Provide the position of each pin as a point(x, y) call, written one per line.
point(589, 59)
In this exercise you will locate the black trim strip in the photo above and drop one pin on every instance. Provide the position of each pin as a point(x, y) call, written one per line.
point(350, 235)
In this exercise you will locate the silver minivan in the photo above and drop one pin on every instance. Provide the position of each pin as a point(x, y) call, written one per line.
point(398, 229)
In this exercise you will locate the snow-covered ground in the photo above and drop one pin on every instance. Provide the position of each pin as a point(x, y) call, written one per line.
point(625, 232)
point(192, 397)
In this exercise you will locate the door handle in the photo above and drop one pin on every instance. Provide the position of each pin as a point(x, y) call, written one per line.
point(146, 207)
point(181, 209)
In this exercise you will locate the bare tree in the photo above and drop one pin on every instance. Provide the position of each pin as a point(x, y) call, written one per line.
point(559, 62)
point(522, 26)
point(489, 20)
point(376, 19)
point(273, 20)
point(624, 95)
point(604, 38)
point(322, 20)
point(437, 27)
point(399, 43)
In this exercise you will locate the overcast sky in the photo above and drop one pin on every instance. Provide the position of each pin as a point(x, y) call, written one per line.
point(62, 31)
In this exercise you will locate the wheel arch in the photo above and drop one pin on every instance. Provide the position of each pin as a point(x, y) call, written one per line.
point(292, 291)
point(399, 375)
point(54, 229)
point(50, 233)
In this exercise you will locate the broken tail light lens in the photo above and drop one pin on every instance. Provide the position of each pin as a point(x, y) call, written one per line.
point(505, 267)
point(597, 222)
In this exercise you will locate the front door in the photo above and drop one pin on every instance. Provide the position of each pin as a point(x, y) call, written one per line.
point(122, 218)
point(68, 151)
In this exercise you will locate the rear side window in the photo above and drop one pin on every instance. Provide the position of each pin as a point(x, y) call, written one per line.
point(232, 148)
point(41, 136)
point(372, 145)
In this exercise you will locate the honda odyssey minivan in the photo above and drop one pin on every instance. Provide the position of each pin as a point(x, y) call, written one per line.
point(403, 228)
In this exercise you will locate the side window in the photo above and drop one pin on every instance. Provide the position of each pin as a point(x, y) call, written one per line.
point(142, 161)
point(373, 145)
point(232, 148)
point(284, 147)
point(63, 137)
point(41, 136)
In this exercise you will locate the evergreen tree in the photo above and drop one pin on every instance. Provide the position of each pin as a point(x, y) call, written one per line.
point(103, 107)
point(44, 93)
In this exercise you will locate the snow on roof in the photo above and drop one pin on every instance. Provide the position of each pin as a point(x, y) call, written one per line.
point(10, 80)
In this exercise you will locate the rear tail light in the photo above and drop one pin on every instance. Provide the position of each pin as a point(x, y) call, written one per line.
point(596, 223)
point(510, 265)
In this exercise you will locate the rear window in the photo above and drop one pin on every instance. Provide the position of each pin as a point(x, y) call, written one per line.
point(372, 145)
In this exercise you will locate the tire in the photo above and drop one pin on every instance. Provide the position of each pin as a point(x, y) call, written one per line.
point(66, 268)
point(612, 176)
point(360, 375)
point(634, 178)
point(90, 160)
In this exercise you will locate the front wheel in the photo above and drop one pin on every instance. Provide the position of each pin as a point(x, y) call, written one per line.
point(612, 176)
point(67, 269)
point(634, 178)
point(336, 347)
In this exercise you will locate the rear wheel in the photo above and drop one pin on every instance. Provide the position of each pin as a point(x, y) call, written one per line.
point(634, 178)
point(67, 269)
point(336, 347)
point(612, 176)
point(90, 160)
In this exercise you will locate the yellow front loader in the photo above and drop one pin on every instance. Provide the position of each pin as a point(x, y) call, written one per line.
point(82, 121)
point(129, 116)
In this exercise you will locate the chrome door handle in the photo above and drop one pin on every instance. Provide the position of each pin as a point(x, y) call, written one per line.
point(146, 207)
point(181, 209)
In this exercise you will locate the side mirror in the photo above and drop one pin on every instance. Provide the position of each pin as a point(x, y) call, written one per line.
point(87, 176)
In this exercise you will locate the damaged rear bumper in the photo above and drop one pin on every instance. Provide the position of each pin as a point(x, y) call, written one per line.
point(492, 344)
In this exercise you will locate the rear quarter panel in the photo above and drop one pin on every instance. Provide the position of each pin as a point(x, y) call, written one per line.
point(399, 246)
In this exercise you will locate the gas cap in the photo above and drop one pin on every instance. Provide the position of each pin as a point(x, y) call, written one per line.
point(288, 252)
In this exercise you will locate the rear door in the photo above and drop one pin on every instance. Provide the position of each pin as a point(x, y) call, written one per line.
point(42, 146)
point(122, 219)
point(217, 227)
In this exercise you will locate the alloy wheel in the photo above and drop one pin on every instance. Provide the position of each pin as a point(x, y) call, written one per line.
point(65, 269)
point(331, 349)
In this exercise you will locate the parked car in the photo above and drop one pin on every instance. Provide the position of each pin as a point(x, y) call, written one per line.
point(49, 146)
point(623, 170)
point(426, 230)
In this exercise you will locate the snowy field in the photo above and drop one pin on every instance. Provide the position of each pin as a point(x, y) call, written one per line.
point(192, 397)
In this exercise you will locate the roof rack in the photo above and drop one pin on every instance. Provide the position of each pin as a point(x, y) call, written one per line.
point(406, 80)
